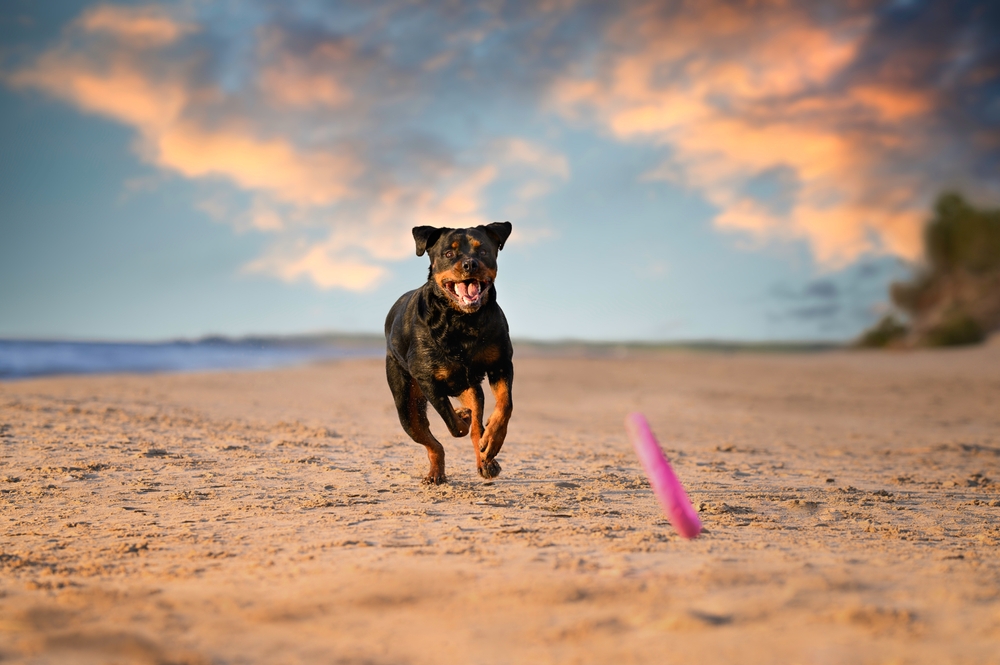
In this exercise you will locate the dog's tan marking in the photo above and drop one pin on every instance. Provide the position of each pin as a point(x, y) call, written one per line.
point(489, 355)
point(449, 275)
point(496, 427)
point(444, 372)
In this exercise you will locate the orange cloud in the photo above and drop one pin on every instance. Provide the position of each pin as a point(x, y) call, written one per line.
point(155, 101)
point(161, 101)
point(198, 129)
point(323, 265)
point(271, 165)
point(286, 84)
point(309, 79)
point(893, 104)
point(349, 256)
point(456, 203)
point(147, 26)
point(736, 94)
point(381, 232)
point(294, 131)
point(116, 89)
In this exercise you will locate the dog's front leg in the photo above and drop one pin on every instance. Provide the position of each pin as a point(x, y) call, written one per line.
point(501, 382)
point(472, 399)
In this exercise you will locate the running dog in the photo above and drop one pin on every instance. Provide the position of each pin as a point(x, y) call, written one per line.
point(444, 338)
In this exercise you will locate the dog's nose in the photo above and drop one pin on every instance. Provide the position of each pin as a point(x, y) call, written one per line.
point(470, 265)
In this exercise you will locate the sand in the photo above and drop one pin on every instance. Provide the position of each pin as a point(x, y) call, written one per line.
point(851, 503)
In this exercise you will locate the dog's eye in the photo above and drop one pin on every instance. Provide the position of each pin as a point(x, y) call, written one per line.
point(449, 254)
point(482, 252)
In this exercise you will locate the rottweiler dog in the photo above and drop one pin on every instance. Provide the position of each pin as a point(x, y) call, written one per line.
point(445, 337)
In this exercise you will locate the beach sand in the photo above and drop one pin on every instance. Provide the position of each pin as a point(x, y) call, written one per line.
point(851, 504)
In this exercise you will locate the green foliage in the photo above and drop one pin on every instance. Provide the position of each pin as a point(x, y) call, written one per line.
point(957, 329)
point(961, 237)
point(954, 299)
point(885, 333)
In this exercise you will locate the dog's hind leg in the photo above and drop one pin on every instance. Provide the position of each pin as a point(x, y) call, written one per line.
point(411, 405)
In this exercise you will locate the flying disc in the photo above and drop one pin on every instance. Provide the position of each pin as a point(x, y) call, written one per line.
point(674, 500)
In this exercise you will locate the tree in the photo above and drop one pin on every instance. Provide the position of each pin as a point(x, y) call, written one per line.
point(954, 297)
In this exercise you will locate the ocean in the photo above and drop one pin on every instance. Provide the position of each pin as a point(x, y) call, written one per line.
point(27, 358)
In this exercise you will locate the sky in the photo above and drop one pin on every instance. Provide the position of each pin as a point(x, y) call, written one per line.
point(745, 171)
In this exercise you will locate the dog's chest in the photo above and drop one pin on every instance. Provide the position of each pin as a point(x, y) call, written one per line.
point(460, 337)
point(462, 360)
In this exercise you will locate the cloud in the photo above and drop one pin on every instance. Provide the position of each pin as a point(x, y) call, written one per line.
point(160, 102)
point(380, 230)
point(335, 128)
point(144, 26)
point(734, 90)
point(545, 162)
point(350, 255)
point(306, 75)
point(273, 165)
point(113, 87)
point(314, 125)
point(322, 264)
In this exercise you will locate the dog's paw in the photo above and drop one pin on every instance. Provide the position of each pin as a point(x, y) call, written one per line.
point(435, 478)
point(435, 475)
point(490, 469)
point(465, 418)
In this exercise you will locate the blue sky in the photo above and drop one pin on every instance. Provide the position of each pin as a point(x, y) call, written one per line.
point(720, 170)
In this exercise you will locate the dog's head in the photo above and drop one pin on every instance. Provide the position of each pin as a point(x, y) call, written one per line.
point(463, 261)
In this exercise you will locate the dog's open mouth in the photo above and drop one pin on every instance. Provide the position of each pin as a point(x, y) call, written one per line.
point(468, 293)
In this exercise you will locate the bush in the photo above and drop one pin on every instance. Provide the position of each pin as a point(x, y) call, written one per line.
point(954, 298)
point(961, 237)
point(958, 329)
point(884, 333)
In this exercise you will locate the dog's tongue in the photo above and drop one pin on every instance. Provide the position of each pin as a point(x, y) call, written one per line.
point(468, 290)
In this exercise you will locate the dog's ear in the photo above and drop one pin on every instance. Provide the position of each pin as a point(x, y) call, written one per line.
point(498, 231)
point(425, 237)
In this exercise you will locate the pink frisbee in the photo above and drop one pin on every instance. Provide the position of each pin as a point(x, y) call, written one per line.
point(667, 488)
